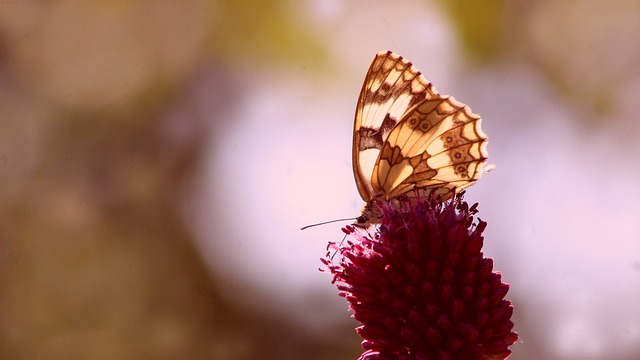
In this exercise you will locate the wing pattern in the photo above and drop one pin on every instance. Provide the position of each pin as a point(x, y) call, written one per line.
point(408, 137)
point(391, 88)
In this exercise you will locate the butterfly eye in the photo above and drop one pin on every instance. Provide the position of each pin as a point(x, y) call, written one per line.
point(449, 139)
point(462, 169)
point(457, 155)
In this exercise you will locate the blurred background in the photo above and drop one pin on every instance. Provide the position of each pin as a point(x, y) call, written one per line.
point(157, 159)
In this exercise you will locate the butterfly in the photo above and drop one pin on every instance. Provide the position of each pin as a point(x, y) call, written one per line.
point(408, 138)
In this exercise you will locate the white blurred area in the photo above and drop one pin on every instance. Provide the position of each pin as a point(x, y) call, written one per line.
point(562, 204)
point(293, 132)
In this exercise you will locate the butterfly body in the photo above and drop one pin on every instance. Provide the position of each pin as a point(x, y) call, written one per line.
point(409, 139)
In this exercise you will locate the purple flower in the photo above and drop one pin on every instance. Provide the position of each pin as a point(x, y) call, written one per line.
point(420, 286)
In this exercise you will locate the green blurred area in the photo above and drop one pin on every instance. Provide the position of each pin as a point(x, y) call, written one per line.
point(479, 25)
point(264, 32)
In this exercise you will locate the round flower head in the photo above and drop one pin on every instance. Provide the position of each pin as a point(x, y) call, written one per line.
point(420, 285)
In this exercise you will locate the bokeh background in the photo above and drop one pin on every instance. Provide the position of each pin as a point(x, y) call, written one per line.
point(157, 159)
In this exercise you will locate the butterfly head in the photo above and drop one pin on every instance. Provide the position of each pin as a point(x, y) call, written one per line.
point(371, 213)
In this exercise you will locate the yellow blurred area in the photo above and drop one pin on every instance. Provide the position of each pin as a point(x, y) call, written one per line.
point(157, 159)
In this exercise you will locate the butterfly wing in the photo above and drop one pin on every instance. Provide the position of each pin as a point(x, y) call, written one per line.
point(437, 145)
point(392, 87)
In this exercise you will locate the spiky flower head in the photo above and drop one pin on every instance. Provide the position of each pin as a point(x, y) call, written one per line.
point(420, 285)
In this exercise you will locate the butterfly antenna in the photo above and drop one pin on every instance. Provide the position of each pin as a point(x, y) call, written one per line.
point(327, 222)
